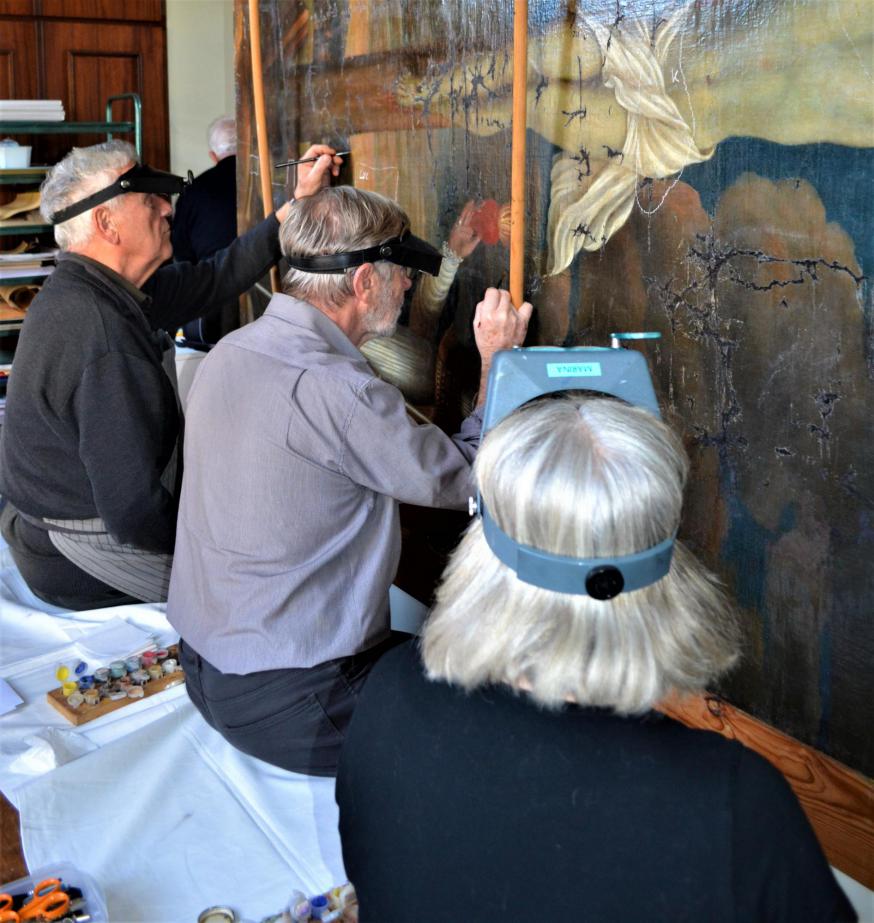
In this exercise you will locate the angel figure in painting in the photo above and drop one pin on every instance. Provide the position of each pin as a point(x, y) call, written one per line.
point(627, 98)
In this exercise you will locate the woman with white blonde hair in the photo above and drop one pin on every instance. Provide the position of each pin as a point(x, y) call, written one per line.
point(511, 765)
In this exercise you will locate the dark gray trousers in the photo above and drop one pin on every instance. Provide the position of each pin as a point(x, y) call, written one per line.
point(292, 718)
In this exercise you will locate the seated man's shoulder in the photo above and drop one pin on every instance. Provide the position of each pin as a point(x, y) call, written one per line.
point(72, 304)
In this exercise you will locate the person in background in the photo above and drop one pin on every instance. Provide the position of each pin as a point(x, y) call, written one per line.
point(205, 221)
point(511, 764)
point(90, 454)
point(288, 536)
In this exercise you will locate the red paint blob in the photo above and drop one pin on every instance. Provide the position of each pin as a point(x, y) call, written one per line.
point(485, 221)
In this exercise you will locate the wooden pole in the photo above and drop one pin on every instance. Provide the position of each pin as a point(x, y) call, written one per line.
point(517, 156)
point(261, 120)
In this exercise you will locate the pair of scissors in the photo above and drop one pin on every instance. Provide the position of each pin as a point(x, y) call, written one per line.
point(48, 902)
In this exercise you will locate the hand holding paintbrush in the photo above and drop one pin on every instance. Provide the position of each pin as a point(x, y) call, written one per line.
point(312, 172)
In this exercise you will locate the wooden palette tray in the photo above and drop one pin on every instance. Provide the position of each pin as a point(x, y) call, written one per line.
point(85, 713)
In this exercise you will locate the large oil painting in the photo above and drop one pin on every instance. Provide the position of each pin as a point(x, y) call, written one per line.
point(700, 169)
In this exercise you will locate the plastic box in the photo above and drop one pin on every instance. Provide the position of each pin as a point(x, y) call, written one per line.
point(14, 157)
point(93, 903)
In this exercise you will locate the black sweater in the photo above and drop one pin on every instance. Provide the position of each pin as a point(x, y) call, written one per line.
point(485, 807)
point(91, 417)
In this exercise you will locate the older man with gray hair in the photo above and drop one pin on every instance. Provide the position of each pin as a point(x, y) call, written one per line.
point(89, 455)
point(205, 221)
point(297, 457)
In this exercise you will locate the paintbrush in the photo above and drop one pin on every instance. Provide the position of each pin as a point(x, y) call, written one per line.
point(294, 163)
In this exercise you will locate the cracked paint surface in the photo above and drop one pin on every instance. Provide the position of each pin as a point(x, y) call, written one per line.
point(754, 265)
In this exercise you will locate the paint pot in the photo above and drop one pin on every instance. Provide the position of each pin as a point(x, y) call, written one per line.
point(101, 675)
point(169, 665)
point(91, 696)
point(75, 699)
point(217, 915)
point(62, 672)
point(69, 688)
point(81, 667)
point(131, 664)
point(155, 671)
point(136, 692)
point(117, 669)
point(148, 658)
point(116, 693)
point(139, 677)
point(162, 654)
point(319, 906)
point(85, 682)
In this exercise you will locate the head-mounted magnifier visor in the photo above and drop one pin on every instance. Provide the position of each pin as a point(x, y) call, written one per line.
point(140, 178)
point(520, 375)
point(407, 250)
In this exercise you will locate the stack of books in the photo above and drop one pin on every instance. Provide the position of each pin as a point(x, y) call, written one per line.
point(31, 110)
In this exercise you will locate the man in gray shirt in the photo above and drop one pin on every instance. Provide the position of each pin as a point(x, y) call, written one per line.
point(296, 457)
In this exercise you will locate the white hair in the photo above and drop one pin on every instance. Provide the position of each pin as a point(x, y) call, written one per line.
point(222, 136)
point(335, 220)
point(583, 477)
point(83, 171)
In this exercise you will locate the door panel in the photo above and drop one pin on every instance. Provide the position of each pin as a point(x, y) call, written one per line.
point(88, 62)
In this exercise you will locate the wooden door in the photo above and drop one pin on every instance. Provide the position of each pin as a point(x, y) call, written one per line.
point(87, 62)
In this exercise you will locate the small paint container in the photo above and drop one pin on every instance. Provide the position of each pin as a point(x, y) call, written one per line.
point(136, 692)
point(139, 677)
point(148, 658)
point(117, 692)
point(85, 682)
point(318, 906)
point(91, 696)
point(81, 667)
point(70, 687)
point(75, 699)
point(155, 671)
point(217, 915)
point(169, 665)
point(62, 672)
point(132, 663)
point(162, 654)
point(101, 675)
point(117, 669)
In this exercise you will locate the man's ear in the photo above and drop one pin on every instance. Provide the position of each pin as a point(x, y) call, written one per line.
point(363, 281)
point(104, 224)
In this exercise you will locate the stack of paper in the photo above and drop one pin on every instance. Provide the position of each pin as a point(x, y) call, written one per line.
point(31, 110)
point(15, 295)
point(15, 265)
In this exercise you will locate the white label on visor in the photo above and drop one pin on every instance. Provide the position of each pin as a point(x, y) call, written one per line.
point(573, 369)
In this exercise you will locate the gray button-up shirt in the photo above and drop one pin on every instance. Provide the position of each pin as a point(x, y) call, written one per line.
point(296, 456)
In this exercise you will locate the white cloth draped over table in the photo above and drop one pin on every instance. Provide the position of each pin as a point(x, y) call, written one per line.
point(165, 815)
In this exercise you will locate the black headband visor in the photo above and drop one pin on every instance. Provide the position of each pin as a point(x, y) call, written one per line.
point(140, 178)
point(406, 250)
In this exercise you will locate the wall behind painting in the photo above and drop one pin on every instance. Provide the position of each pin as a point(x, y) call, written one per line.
point(200, 72)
